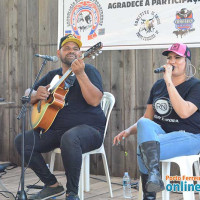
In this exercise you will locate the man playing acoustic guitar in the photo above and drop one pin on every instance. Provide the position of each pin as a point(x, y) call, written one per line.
point(77, 128)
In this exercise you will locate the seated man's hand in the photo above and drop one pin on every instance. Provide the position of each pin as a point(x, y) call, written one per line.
point(42, 92)
point(78, 66)
point(121, 136)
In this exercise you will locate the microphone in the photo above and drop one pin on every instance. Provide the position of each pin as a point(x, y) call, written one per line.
point(161, 69)
point(49, 58)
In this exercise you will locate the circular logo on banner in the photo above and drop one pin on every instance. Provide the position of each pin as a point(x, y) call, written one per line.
point(147, 22)
point(163, 106)
point(84, 17)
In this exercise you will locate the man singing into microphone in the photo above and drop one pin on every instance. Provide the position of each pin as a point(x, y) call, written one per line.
point(78, 127)
point(170, 126)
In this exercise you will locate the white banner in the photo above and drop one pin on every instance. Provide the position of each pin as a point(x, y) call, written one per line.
point(139, 24)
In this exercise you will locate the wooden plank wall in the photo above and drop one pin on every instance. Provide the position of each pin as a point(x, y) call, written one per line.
point(30, 27)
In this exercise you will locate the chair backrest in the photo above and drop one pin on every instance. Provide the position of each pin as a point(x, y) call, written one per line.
point(107, 104)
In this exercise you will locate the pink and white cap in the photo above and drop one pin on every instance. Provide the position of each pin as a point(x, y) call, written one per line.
point(180, 49)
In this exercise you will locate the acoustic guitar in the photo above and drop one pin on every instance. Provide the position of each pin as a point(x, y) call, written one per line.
point(44, 111)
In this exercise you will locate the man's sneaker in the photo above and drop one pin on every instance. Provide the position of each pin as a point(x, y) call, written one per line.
point(48, 192)
point(72, 196)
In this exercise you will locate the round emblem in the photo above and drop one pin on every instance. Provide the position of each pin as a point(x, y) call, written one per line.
point(162, 106)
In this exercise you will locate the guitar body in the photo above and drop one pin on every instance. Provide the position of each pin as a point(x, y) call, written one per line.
point(44, 112)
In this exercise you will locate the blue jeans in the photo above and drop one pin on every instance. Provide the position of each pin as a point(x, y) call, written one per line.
point(73, 143)
point(173, 144)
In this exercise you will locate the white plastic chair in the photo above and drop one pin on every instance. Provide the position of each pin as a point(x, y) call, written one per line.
point(107, 104)
point(186, 169)
point(185, 164)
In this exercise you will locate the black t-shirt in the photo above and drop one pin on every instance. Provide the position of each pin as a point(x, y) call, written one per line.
point(76, 110)
point(164, 112)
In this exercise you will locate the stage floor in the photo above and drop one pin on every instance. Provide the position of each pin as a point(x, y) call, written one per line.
point(98, 186)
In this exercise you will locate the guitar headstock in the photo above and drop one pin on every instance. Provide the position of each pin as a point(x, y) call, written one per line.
point(93, 51)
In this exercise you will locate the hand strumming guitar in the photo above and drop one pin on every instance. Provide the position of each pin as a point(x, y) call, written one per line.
point(42, 92)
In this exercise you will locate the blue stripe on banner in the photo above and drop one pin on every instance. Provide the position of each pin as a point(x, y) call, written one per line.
point(68, 32)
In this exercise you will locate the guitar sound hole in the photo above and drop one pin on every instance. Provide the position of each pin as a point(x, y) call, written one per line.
point(50, 98)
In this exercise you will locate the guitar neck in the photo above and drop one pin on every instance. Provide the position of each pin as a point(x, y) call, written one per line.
point(62, 79)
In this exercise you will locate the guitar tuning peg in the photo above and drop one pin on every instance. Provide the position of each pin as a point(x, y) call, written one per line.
point(100, 52)
point(93, 57)
point(96, 54)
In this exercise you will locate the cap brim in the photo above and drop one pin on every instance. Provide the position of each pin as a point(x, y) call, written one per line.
point(165, 53)
point(77, 41)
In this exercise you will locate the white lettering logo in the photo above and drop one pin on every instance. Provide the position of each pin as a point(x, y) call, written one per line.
point(163, 107)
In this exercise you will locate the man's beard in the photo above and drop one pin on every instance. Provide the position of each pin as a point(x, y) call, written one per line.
point(67, 61)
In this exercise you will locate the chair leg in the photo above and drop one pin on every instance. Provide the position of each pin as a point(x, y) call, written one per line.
point(197, 172)
point(81, 182)
point(107, 172)
point(87, 173)
point(52, 162)
point(186, 168)
point(140, 194)
point(165, 171)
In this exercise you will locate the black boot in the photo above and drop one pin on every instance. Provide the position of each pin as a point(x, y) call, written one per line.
point(150, 153)
point(146, 195)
